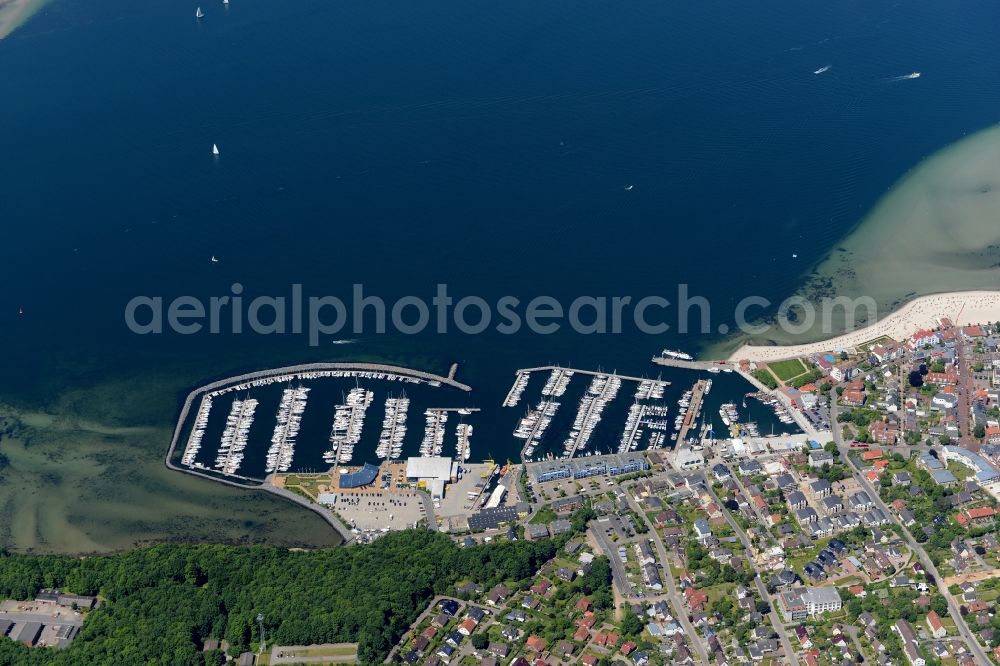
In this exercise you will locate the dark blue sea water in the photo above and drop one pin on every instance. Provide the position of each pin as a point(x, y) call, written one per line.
point(487, 146)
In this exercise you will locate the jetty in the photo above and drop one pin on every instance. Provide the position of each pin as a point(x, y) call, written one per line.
point(691, 365)
point(514, 394)
point(691, 418)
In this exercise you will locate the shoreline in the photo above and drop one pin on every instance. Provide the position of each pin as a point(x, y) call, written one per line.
point(16, 13)
point(962, 307)
point(932, 235)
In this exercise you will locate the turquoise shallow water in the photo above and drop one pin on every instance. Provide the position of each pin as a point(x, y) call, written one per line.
point(403, 145)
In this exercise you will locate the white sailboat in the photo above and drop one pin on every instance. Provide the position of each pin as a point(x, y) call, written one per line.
point(199, 13)
point(214, 259)
point(215, 150)
point(225, 2)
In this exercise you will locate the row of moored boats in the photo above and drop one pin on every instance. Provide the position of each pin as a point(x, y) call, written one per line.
point(602, 390)
point(286, 429)
point(390, 442)
point(643, 417)
point(235, 436)
point(348, 423)
point(533, 425)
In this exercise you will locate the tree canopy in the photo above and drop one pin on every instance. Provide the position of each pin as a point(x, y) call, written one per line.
point(161, 603)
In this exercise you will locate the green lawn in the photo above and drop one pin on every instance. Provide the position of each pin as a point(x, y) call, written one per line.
point(785, 370)
point(339, 653)
point(799, 557)
point(960, 471)
point(544, 516)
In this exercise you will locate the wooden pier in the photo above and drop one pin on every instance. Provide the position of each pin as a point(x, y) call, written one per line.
point(513, 388)
point(694, 409)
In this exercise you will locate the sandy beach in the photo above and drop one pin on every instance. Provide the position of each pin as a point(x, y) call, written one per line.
point(963, 308)
point(921, 253)
point(14, 13)
point(935, 231)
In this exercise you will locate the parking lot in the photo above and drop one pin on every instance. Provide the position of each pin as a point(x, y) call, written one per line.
point(819, 417)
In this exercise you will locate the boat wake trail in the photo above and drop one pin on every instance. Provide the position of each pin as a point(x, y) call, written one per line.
point(905, 77)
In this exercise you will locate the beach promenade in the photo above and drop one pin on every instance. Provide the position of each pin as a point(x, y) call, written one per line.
point(963, 308)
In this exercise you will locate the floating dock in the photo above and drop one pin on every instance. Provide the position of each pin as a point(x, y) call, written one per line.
point(592, 373)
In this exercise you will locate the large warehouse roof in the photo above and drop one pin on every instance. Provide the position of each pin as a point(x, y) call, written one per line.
point(428, 467)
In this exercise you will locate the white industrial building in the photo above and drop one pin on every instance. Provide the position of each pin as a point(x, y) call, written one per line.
point(434, 472)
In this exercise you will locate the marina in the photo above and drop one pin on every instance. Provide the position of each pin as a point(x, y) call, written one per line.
point(309, 418)
point(603, 389)
point(198, 433)
point(780, 410)
point(514, 395)
point(532, 426)
point(433, 443)
point(463, 444)
point(643, 416)
point(592, 373)
point(557, 382)
point(733, 421)
point(598, 424)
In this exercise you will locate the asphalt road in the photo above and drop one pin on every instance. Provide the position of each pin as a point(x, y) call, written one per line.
point(617, 569)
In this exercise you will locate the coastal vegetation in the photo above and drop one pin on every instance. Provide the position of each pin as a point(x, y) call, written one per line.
point(160, 604)
point(764, 376)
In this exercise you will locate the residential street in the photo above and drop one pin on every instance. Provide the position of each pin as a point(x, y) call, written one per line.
point(673, 598)
point(928, 565)
point(773, 616)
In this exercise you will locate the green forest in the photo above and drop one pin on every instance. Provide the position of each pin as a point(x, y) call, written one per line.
point(160, 604)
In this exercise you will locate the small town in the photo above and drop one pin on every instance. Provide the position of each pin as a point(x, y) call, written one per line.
point(874, 541)
point(869, 537)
